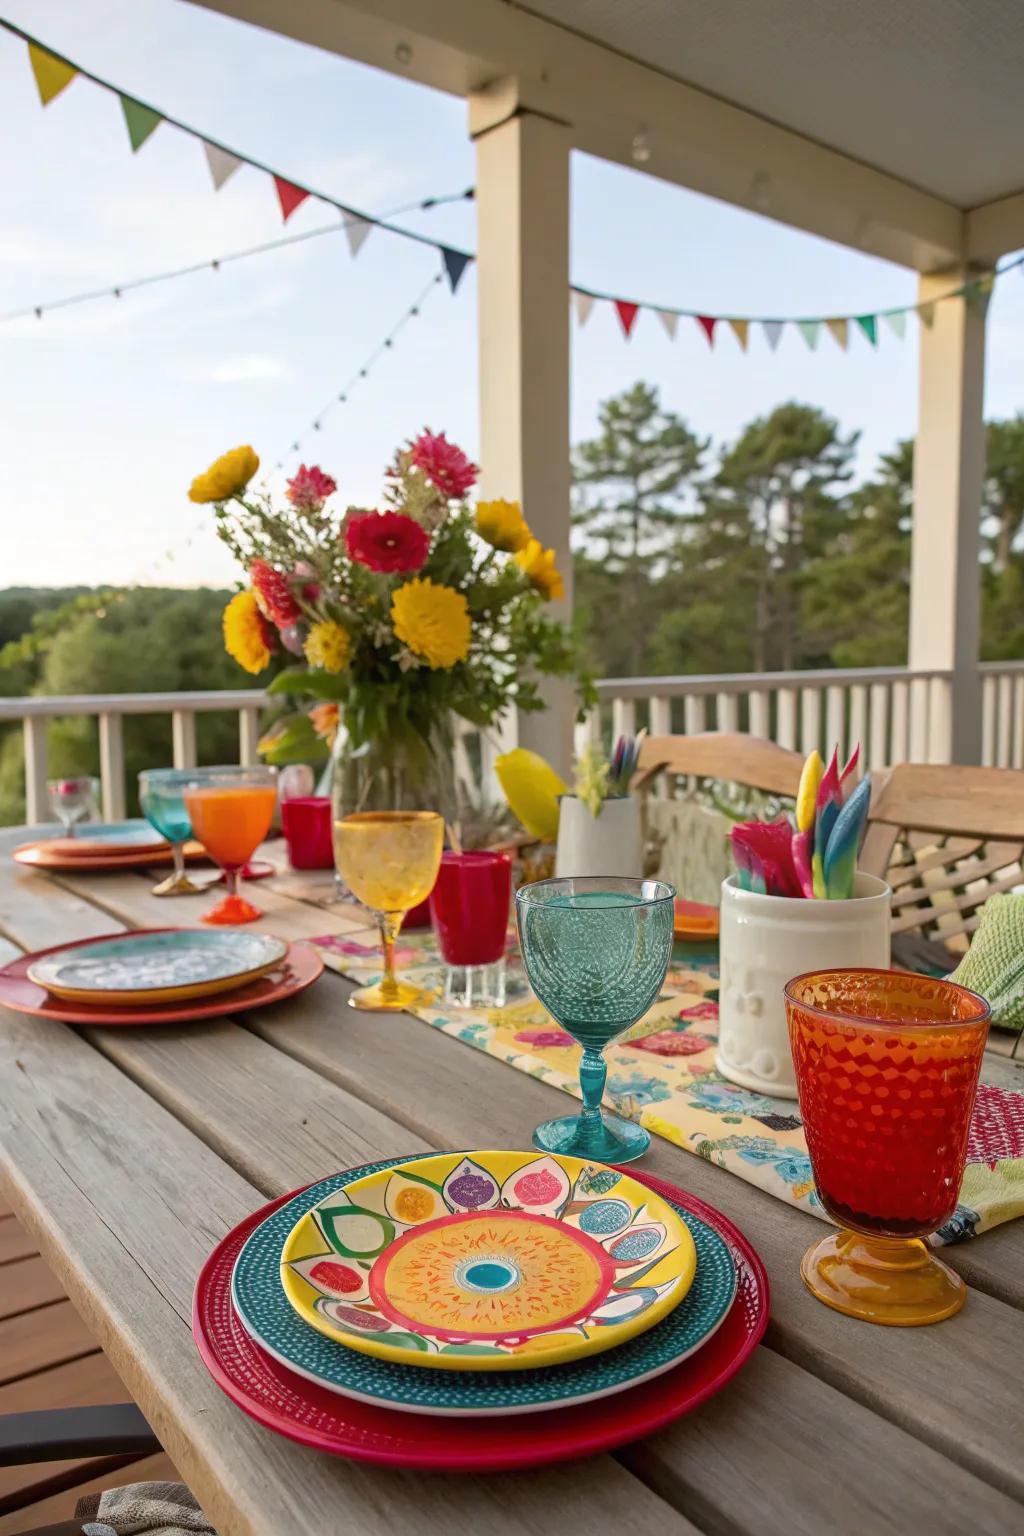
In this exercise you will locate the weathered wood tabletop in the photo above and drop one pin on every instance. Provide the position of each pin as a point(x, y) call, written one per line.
point(130, 1152)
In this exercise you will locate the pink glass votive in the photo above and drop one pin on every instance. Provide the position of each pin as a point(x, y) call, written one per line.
point(306, 820)
point(469, 908)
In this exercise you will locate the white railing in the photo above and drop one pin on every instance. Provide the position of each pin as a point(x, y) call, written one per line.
point(110, 709)
point(1002, 714)
point(896, 715)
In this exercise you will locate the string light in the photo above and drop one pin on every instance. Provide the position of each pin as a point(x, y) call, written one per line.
point(214, 265)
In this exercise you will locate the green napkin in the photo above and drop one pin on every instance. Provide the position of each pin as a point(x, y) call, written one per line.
point(994, 964)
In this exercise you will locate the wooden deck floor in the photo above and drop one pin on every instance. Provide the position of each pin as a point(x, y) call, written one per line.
point(49, 1360)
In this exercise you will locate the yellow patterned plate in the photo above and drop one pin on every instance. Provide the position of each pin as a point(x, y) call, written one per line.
point(488, 1261)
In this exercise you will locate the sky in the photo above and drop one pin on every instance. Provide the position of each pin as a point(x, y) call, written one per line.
point(108, 409)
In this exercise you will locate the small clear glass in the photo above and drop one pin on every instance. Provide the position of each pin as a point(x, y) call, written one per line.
point(74, 801)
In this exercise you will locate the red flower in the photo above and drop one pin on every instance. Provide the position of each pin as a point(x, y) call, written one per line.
point(310, 487)
point(445, 466)
point(386, 541)
point(273, 594)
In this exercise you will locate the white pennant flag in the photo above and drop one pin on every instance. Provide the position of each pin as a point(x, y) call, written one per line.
point(897, 322)
point(221, 162)
point(583, 303)
point(772, 331)
point(356, 231)
point(670, 320)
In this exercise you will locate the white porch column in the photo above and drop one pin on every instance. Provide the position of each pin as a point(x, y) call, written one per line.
point(949, 463)
point(522, 199)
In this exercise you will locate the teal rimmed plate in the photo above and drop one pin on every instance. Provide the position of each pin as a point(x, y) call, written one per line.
point(264, 1312)
point(158, 965)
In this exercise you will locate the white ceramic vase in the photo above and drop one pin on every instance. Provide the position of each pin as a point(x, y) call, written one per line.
point(608, 844)
point(767, 940)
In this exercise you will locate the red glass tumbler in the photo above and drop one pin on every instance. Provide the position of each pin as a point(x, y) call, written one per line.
point(469, 909)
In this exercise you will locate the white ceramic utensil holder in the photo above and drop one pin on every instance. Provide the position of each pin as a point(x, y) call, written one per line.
point(767, 940)
point(608, 844)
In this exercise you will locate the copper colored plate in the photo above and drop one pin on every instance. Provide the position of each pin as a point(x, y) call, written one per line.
point(298, 970)
point(47, 855)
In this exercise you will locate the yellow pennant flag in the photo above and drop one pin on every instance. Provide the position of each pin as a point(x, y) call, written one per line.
point(740, 329)
point(926, 314)
point(838, 330)
point(52, 74)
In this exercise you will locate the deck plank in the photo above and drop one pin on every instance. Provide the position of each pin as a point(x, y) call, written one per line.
point(15, 1242)
point(45, 1337)
point(26, 1284)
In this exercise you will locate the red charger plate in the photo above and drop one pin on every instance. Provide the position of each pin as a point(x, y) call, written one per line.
point(275, 1397)
point(298, 970)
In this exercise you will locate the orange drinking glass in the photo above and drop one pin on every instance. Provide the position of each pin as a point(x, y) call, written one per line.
point(231, 811)
point(887, 1069)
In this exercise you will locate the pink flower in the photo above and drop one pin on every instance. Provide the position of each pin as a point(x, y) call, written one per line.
point(310, 487)
point(387, 541)
point(445, 466)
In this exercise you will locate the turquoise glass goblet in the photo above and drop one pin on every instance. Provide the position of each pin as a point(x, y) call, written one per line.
point(596, 949)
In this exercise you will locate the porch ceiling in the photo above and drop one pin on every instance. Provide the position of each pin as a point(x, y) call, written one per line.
point(926, 90)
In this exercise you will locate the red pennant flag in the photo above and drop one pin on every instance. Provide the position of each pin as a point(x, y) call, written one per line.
point(289, 196)
point(707, 324)
point(627, 313)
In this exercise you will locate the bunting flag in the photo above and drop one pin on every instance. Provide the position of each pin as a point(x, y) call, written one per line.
point(356, 231)
point(52, 74)
point(897, 322)
point(670, 320)
point(289, 196)
point(838, 329)
point(809, 330)
point(222, 163)
point(627, 314)
point(772, 332)
point(454, 263)
point(707, 324)
point(140, 121)
point(869, 325)
point(741, 330)
point(926, 314)
point(583, 303)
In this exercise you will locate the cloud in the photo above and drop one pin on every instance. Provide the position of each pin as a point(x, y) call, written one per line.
point(246, 370)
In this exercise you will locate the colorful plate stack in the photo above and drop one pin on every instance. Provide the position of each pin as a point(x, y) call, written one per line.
point(157, 976)
point(102, 845)
point(360, 1314)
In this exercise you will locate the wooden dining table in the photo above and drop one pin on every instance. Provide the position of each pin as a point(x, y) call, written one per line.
point(129, 1152)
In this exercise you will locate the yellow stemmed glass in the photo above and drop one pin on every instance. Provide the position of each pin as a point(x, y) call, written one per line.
point(389, 861)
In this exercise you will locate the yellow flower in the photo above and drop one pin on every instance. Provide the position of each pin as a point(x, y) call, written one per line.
point(502, 524)
point(538, 564)
point(245, 632)
point(226, 476)
point(433, 621)
point(329, 645)
point(324, 718)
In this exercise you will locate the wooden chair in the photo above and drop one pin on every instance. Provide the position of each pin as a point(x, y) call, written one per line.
point(946, 838)
point(725, 755)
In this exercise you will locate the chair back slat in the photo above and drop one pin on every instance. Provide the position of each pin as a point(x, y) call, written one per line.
point(726, 755)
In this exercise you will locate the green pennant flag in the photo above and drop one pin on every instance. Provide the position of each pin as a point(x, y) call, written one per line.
point(809, 331)
point(869, 325)
point(139, 120)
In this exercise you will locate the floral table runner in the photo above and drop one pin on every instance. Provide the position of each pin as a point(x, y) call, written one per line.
point(662, 1074)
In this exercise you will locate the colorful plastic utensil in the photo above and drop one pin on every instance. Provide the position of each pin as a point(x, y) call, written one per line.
point(840, 861)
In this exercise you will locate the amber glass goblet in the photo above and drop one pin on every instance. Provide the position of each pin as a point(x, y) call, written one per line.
point(887, 1068)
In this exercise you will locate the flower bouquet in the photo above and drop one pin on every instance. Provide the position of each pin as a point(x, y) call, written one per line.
point(399, 617)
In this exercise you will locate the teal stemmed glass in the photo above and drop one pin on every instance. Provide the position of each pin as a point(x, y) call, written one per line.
point(596, 949)
point(162, 798)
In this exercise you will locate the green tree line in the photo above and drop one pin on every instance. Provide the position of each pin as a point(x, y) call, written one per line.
point(761, 555)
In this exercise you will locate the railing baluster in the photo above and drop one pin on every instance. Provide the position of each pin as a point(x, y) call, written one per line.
point(988, 721)
point(899, 741)
point(727, 710)
point(760, 713)
point(835, 719)
point(661, 717)
point(785, 733)
point(878, 728)
point(183, 738)
point(859, 722)
point(37, 809)
point(940, 720)
point(623, 718)
point(919, 720)
point(112, 765)
point(695, 714)
point(248, 736)
point(1017, 759)
point(810, 720)
point(1004, 720)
